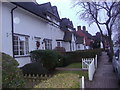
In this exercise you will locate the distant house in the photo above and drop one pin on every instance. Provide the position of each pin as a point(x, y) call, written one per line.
point(28, 26)
point(98, 39)
point(85, 37)
point(69, 34)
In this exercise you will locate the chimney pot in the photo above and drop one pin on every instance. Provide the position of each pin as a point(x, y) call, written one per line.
point(79, 28)
point(84, 28)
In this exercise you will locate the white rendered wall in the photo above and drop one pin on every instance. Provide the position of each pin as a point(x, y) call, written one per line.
point(6, 29)
point(35, 27)
point(80, 47)
point(66, 45)
point(0, 27)
point(73, 44)
point(23, 60)
point(27, 24)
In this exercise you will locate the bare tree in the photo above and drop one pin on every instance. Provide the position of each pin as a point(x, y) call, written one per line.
point(116, 30)
point(101, 13)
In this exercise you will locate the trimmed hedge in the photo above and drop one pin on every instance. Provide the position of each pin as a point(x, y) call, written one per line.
point(76, 56)
point(12, 76)
point(52, 59)
point(34, 68)
point(48, 58)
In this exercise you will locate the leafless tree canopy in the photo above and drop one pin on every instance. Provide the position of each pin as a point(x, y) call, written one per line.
point(94, 11)
point(102, 13)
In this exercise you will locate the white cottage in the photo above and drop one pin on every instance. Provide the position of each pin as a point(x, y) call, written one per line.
point(28, 26)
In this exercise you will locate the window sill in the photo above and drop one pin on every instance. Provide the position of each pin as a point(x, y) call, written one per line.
point(22, 56)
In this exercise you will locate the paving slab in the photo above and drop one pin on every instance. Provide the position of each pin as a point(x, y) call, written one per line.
point(104, 76)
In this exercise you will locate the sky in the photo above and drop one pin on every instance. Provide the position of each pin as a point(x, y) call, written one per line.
point(66, 10)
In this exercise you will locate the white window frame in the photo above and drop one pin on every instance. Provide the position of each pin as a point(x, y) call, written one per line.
point(25, 40)
point(59, 43)
point(48, 44)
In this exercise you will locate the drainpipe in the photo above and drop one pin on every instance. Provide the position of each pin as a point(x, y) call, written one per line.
point(12, 29)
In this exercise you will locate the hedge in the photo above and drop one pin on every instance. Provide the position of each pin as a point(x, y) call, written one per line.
point(52, 59)
point(12, 76)
point(34, 68)
point(77, 56)
point(48, 58)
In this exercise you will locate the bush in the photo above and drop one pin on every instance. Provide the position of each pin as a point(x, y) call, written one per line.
point(60, 49)
point(76, 56)
point(49, 58)
point(11, 75)
point(63, 60)
point(52, 59)
point(34, 68)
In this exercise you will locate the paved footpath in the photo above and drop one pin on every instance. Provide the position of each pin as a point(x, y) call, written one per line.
point(104, 76)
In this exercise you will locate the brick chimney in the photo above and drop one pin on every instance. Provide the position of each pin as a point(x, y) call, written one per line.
point(78, 28)
point(84, 28)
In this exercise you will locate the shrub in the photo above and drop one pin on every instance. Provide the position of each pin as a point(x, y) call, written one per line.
point(76, 56)
point(62, 60)
point(49, 58)
point(34, 68)
point(52, 59)
point(60, 49)
point(11, 75)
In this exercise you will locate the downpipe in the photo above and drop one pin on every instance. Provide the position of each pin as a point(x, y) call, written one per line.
point(12, 23)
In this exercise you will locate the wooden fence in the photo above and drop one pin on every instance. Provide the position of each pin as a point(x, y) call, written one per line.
point(82, 83)
point(32, 80)
point(90, 64)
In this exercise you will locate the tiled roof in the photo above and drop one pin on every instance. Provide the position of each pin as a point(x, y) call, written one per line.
point(47, 7)
point(65, 24)
point(67, 36)
point(87, 34)
point(39, 9)
point(79, 40)
point(30, 6)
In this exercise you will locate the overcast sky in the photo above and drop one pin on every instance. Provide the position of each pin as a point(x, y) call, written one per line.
point(65, 9)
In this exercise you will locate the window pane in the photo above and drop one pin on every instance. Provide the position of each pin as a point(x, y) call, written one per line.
point(16, 48)
point(16, 52)
point(15, 37)
point(16, 45)
point(58, 44)
point(48, 44)
point(21, 52)
point(26, 45)
point(15, 42)
point(21, 47)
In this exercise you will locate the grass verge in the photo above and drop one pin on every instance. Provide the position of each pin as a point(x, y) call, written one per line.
point(74, 65)
point(64, 79)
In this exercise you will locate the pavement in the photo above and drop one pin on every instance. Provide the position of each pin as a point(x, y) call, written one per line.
point(104, 76)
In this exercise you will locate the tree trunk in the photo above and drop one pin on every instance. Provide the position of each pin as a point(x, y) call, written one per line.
point(111, 53)
point(101, 34)
point(111, 48)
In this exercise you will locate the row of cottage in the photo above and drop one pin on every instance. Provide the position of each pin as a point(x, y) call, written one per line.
point(28, 26)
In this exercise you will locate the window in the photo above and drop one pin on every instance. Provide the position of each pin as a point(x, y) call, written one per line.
point(78, 46)
point(58, 44)
point(21, 45)
point(48, 44)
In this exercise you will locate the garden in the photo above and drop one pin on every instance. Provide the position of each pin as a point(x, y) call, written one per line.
point(45, 63)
